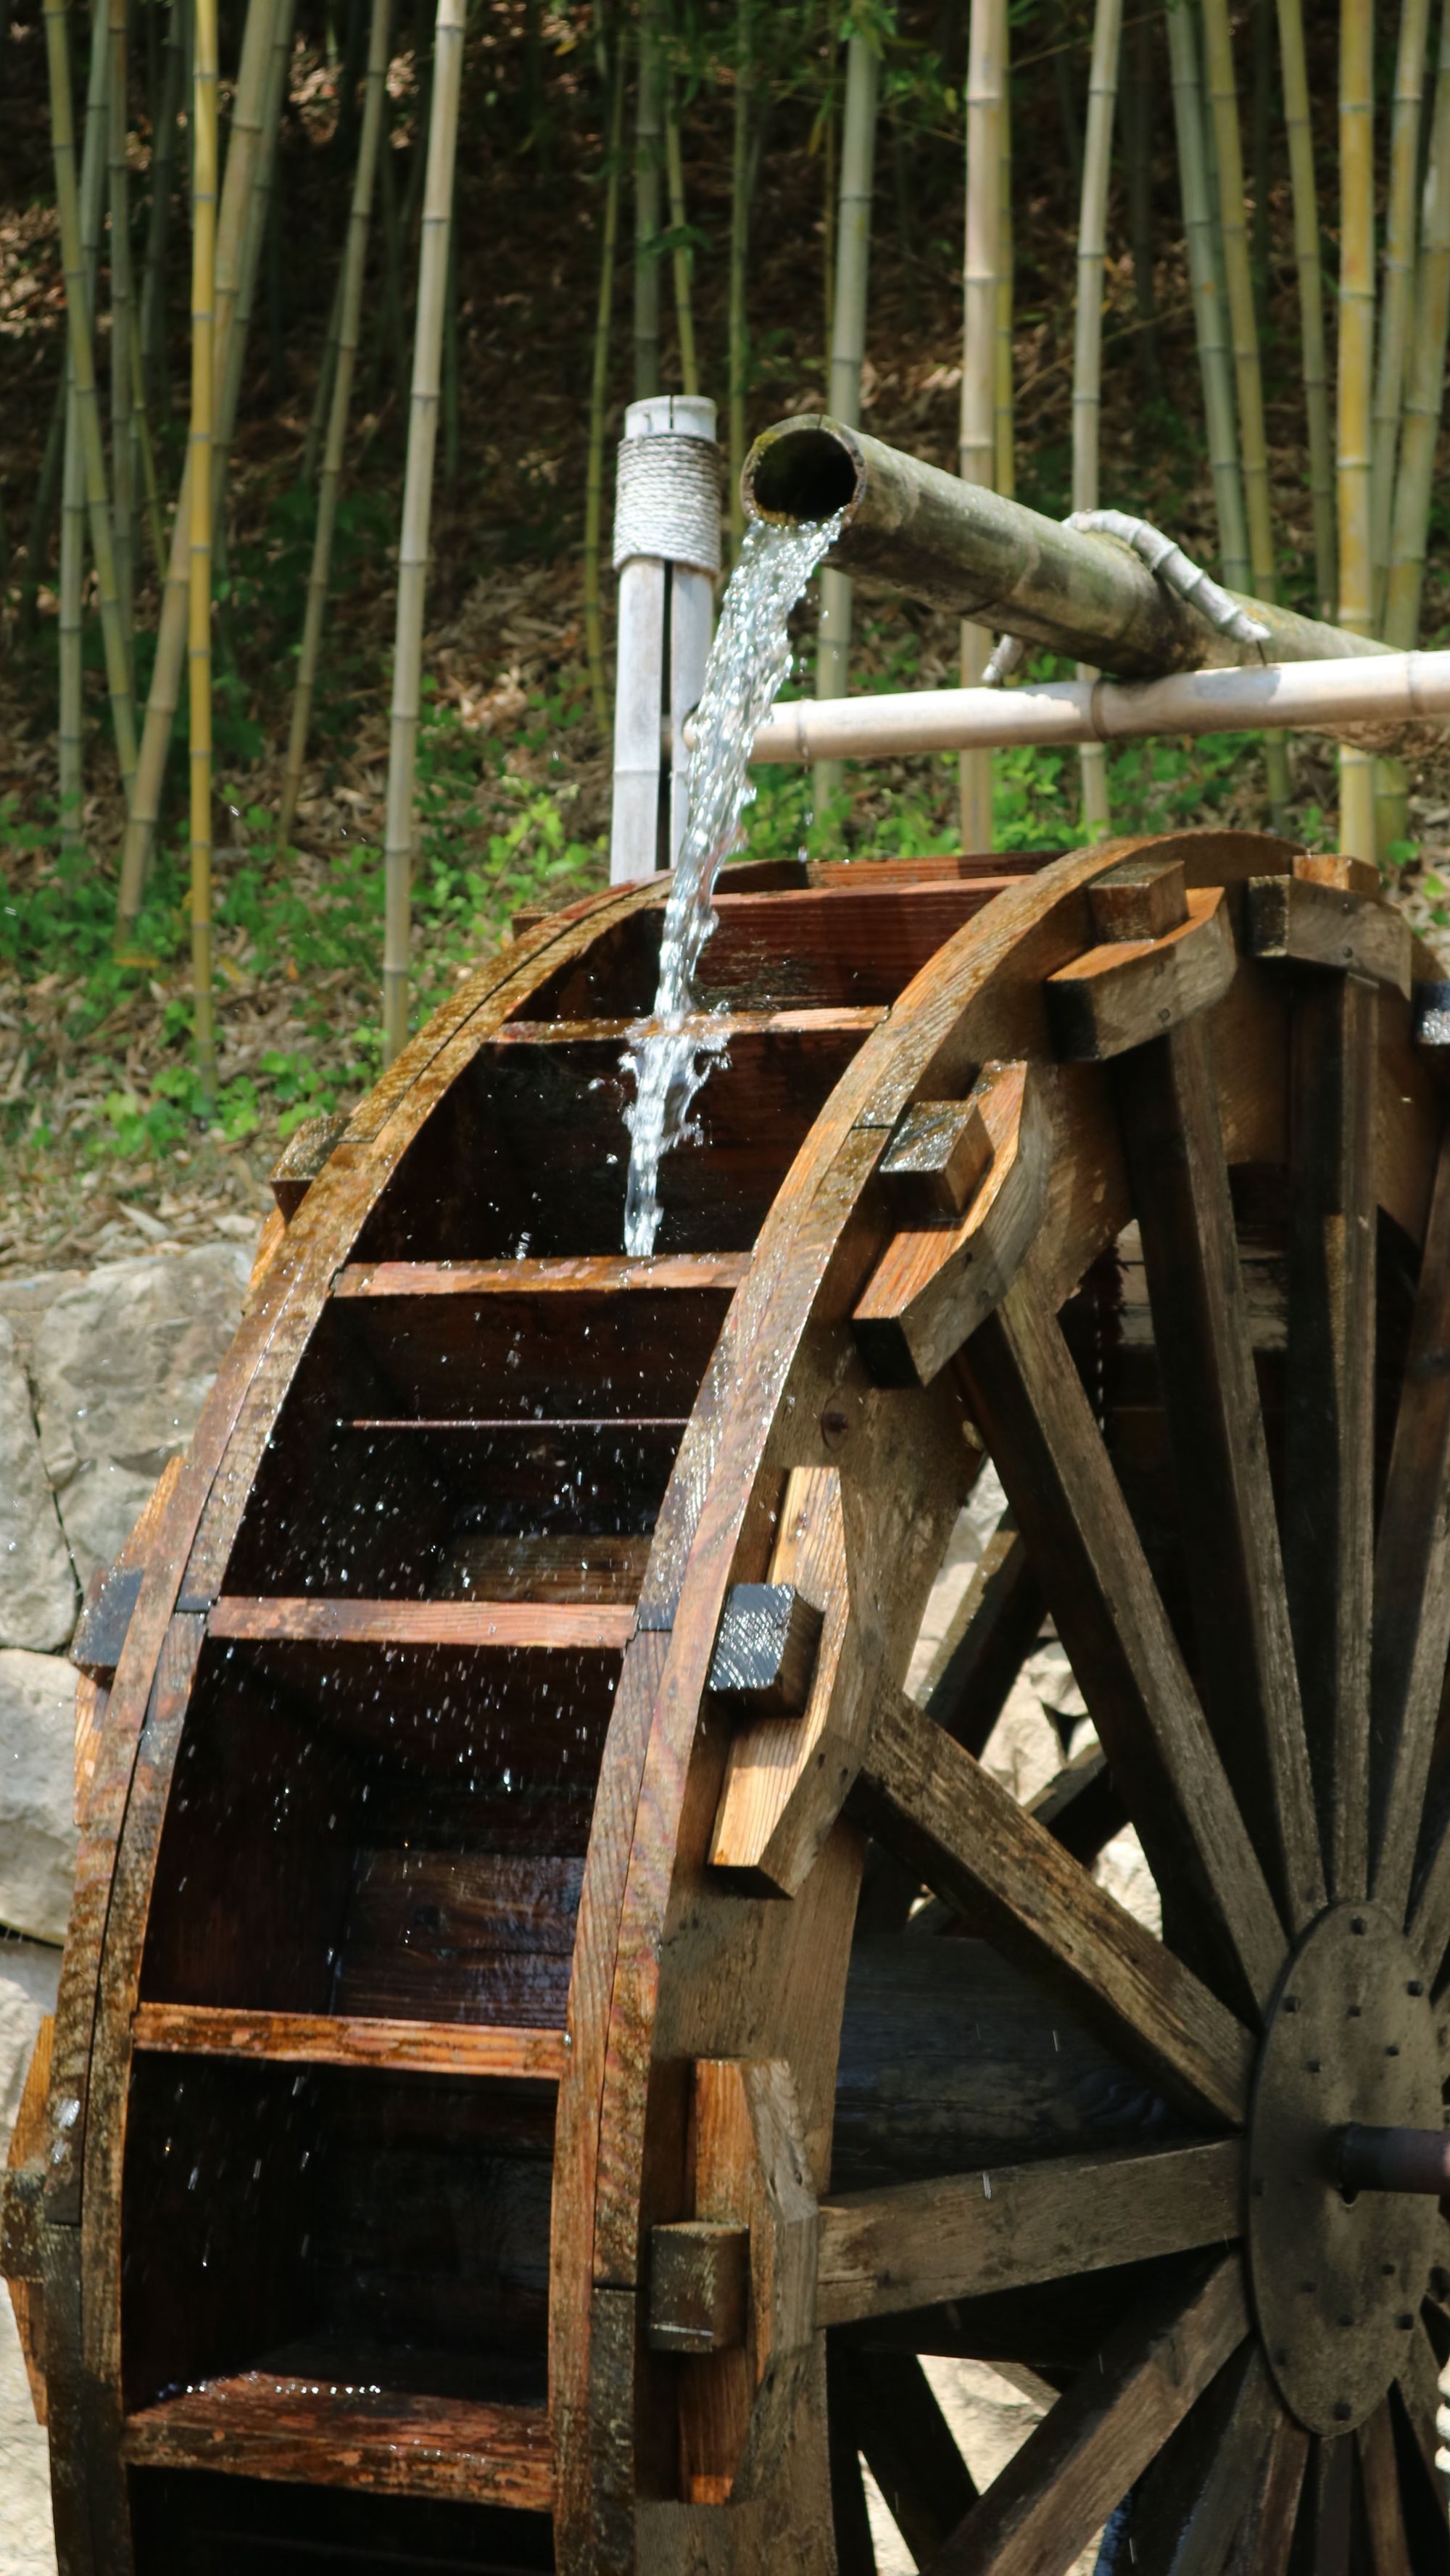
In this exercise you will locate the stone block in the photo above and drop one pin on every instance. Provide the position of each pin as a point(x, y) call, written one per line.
point(37, 1788)
point(37, 1587)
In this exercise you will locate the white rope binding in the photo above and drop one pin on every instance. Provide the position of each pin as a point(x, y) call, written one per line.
point(667, 500)
point(1168, 563)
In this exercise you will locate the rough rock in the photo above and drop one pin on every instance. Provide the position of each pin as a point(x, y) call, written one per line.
point(26, 1302)
point(37, 1587)
point(37, 1791)
point(122, 1366)
point(28, 1975)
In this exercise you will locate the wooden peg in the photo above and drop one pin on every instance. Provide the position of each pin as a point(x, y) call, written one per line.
point(1331, 868)
point(1120, 995)
point(698, 2286)
point(937, 1161)
point(1310, 924)
point(766, 1650)
point(1139, 898)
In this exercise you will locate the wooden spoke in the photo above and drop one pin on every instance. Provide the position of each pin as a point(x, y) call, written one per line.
point(1327, 2512)
point(1266, 2533)
point(891, 2410)
point(1027, 1395)
point(1379, 2473)
point(1329, 1461)
point(1100, 2436)
point(970, 2234)
point(977, 1847)
point(1412, 1570)
point(1190, 2506)
point(1169, 1105)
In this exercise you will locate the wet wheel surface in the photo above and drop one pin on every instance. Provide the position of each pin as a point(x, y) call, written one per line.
point(563, 2043)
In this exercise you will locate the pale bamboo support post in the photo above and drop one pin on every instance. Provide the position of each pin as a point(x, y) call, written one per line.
point(198, 636)
point(1087, 356)
point(1218, 400)
point(1425, 389)
point(1355, 377)
point(417, 508)
point(158, 224)
point(123, 324)
point(242, 278)
point(1002, 391)
point(87, 404)
point(667, 554)
point(1309, 267)
point(354, 263)
point(145, 804)
point(598, 394)
point(848, 354)
point(647, 139)
point(1253, 443)
point(1399, 270)
point(977, 441)
point(739, 332)
point(682, 258)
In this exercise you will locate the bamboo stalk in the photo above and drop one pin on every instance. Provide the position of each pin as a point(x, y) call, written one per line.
point(354, 265)
point(739, 344)
point(163, 176)
point(172, 624)
point(1399, 270)
point(198, 639)
point(648, 85)
point(683, 256)
point(244, 249)
point(1300, 136)
point(322, 398)
point(70, 737)
point(599, 391)
point(87, 405)
point(1138, 120)
point(1253, 443)
point(1425, 389)
point(848, 354)
point(144, 453)
point(1355, 377)
point(396, 328)
point(417, 500)
point(123, 397)
point(828, 181)
point(977, 440)
point(1005, 425)
point(1087, 364)
point(1261, 33)
point(38, 528)
point(1218, 400)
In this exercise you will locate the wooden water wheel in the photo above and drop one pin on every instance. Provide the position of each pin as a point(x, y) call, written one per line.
point(557, 2051)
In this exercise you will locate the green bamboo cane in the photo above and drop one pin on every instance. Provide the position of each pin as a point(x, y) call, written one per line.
point(1253, 443)
point(1218, 399)
point(599, 392)
point(37, 532)
point(1307, 262)
point(241, 276)
point(203, 395)
point(848, 355)
point(828, 181)
point(171, 629)
point(354, 265)
point(1355, 377)
point(1399, 269)
point(1425, 387)
point(1005, 437)
point(118, 679)
point(326, 373)
point(70, 745)
point(648, 85)
point(1138, 121)
point(417, 500)
point(1087, 366)
point(158, 227)
point(977, 436)
point(683, 257)
point(144, 453)
point(123, 398)
point(739, 346)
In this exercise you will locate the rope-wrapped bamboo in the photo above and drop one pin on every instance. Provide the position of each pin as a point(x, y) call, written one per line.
point(1355, 377)
point(1425, 388)
point(1309, 268)
point(417, 507)
point(198, 639)
point(355, 261)
point(977, 436)
point(848, 353)
point(599, 390)
point(1218, 401)
point(1087, 359)
point(1399, 270)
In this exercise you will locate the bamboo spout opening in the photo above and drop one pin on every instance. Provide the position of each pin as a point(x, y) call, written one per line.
point(803, 472)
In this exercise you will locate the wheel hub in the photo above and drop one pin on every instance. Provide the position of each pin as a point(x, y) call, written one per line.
point(1338, 2276)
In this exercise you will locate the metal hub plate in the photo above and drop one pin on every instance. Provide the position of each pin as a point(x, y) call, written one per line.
point(1337, 2283)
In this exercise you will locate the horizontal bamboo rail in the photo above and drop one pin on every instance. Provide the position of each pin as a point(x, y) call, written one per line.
point(1375, 703)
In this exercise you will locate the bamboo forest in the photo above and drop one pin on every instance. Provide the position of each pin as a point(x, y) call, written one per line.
point(318, 322)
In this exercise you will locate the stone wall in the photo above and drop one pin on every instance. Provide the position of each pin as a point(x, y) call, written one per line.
point(102, 1376)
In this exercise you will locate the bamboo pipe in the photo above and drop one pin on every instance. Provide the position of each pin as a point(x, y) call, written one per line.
point(848, 353)
point(1399, 269)
point(1218, 402)
point(1300, 136)
point(354, 262)
point(1357, 833)
point(417, 510)
point(1087, 354)
point(1425, 391)
point(198, 636)
point(977, 436)
point(913, 529)
point(1385, 698)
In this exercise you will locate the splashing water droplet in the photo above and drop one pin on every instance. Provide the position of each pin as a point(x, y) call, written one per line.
point(748, 665)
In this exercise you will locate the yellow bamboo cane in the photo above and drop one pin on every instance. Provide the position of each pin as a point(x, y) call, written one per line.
point(1218, 398)
point(1399, 270)
point(417, 505)
point(198, 638)
point(1425, 388)
point(598, 393)
point(1087, 363)
point(70, 738)
point(977, 438)
point(88, 409)
point(354, 262)
point(1006, 455)
point(1307, 262)
point(1356, 372)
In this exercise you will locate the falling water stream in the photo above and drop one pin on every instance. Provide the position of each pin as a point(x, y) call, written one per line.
point(748, 664)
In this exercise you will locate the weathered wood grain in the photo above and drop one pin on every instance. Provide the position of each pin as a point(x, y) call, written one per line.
point(698, 2274)
point(1271, 2505)
point(498, 1626)
point(1186, 2514)
point(347, 2039)
point(939, 1154)
point(260, 2424)
point(1379, 2474)
point(1139, 899)
point(1329, 926)
point(1127, 991)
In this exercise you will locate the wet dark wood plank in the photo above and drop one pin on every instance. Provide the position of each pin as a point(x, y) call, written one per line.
point(1190, 2506)
point(598, 1273)
point(1266, 2533)
point(259, 2425)
point(338, 2039)
point(503, 1626)
point(1379, 2473)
